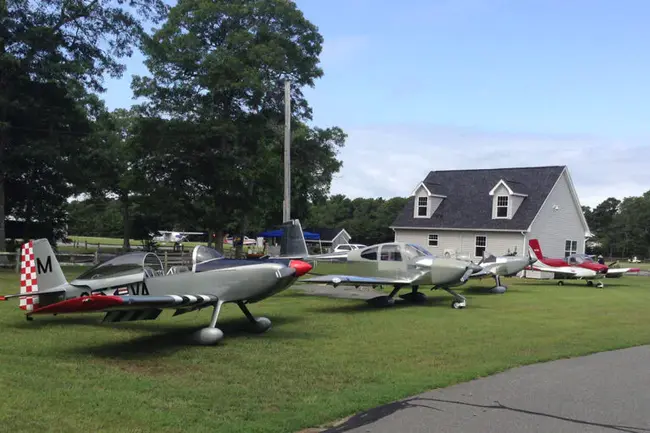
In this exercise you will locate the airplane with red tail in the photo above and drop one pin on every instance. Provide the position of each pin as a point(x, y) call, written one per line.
point(584, 261)
point(572, 267)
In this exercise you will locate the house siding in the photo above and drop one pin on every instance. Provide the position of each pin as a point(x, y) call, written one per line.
point(463, 242)
point(554, 226)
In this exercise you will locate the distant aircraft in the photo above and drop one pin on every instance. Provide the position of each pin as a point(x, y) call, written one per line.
point(502, 266)
point(172, 236)
point(133, 286)
point(572, 267)
point(247, 241)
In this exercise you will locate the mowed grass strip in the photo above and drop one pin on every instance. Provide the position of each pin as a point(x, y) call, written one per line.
point(324, 358)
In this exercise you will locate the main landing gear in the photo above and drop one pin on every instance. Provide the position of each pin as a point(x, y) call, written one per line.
point(417, 297)
point(498, 288)
point(212, 335)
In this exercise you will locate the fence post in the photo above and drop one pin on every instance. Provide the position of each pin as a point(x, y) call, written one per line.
point(96, 258)
point(18, 260)
point(166, 263)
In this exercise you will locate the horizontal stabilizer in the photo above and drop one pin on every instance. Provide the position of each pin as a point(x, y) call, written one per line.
point(34, 293)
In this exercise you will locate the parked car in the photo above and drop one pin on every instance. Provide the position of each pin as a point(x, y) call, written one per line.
point(348, 247)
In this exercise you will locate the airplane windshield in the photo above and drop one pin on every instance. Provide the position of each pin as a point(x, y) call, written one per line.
point(415, 251)
point(580, 259)
point(202, 254)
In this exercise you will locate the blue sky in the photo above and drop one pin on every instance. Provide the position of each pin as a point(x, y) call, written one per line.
point(441, 84)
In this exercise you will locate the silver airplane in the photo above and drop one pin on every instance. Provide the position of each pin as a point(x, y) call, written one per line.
point(401, 265)
point(502, 266)
point(134, 286)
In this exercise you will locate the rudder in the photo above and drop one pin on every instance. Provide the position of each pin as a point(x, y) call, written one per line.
point(537, 249)
point(39, 271)
point(292, 242)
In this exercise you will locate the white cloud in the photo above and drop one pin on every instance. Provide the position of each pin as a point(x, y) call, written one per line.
point(388, 161)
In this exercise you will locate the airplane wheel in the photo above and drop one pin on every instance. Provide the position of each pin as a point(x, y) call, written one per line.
point(457, 305)
point(600, 285)
point(590, 283)
point(560, 283)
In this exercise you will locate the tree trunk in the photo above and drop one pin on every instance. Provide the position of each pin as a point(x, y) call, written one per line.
point(242, 231)
point(218, 240)
point(3, 132)
point(209, 238)
point(3, 239)
point(126, 218)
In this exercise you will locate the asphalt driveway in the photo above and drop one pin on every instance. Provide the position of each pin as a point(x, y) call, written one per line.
point(604, 392)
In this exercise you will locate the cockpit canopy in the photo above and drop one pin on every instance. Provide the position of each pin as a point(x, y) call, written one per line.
point(201, 254)
point(126, 264)
point(394, 252)
point(578, 259)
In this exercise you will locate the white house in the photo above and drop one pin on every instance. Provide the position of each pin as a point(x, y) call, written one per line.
point(495, 210)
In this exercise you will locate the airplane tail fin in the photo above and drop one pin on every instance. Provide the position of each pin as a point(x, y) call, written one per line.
point(536, 248)
point(39, 271)
point(292, 242)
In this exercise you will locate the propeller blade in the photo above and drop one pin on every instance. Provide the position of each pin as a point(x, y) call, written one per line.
point(470, 270)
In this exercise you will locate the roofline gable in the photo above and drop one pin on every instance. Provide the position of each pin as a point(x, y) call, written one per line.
point(510, 191)
point(429, 193)
point(574, 196)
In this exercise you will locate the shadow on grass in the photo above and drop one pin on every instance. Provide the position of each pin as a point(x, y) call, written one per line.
point(376, 414)
point(169, 338)
point(360, 305)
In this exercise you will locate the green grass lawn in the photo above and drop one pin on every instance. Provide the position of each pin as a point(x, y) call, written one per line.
point(324, 359)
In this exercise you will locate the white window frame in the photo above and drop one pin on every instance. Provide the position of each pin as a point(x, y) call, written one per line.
point(476, 245)
point(506, 206)
point(573, 247)
point(419, 206)
point(432, 238)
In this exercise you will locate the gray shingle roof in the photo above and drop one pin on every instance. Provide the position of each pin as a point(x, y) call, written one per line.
point(468, 204)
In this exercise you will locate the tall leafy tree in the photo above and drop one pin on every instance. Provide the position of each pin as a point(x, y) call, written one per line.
point(221, 65)
point(51, 54)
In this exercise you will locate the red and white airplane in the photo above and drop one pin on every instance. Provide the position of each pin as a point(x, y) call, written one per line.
point(572, 267)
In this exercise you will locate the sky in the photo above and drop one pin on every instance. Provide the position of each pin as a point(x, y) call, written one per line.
point(459, 84)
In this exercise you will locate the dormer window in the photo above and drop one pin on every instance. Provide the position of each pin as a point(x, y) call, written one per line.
point(502, 206)
point(422, 206)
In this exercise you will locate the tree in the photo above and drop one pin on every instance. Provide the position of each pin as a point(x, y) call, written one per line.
point(220, 67)
point(51, 54)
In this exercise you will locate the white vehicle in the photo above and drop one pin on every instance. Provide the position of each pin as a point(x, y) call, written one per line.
point(348, 247)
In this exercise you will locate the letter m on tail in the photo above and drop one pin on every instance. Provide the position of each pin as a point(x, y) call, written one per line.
point(39, 270)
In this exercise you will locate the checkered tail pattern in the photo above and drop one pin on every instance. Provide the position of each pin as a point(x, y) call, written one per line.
point(28, 278)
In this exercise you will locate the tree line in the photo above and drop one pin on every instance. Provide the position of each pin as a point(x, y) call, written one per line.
point(366, 219)
point(621, 228)
point(202, 147)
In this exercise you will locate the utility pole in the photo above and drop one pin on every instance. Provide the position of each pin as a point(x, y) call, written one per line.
point(286, 210)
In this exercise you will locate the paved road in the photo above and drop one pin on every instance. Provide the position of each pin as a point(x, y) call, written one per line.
point(605, 392)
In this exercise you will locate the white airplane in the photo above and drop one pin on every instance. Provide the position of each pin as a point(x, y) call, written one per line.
point(172, 236)
point(247, 241)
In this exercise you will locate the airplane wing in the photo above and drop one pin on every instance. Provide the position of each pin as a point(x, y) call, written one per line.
point(351, 280)
point(144, 305)
point(621, 271)
point(191, 233)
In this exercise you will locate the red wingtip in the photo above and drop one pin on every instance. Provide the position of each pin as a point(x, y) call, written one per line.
point(2, 298)
point(301, 267)
point(635, 270)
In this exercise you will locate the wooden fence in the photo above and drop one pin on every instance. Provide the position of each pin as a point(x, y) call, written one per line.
point(168, 258)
